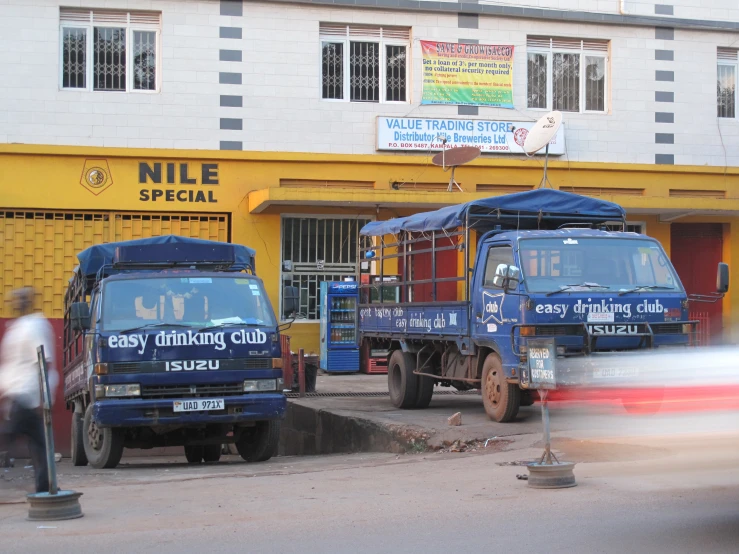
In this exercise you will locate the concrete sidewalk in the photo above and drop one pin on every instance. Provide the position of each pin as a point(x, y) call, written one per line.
point(320, 424)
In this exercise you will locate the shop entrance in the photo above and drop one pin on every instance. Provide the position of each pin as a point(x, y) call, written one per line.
point(696, 249)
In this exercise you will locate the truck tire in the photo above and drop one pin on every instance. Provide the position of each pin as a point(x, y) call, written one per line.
point(211, 453)
point(402, 383)
point(103, 445)
point(425, 391)
point(259, 443)
point(501, 399)
point(79, 458)
point(194, 454)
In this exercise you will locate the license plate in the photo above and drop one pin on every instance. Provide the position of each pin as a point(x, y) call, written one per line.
point(199, 405)
point(614, 372)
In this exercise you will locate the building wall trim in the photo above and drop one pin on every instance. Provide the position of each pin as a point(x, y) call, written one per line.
point(524, 12)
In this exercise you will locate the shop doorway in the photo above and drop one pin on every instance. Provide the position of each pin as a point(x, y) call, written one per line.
point(696, 249)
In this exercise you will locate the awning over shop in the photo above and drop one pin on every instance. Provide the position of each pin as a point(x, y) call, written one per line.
point(278, 199)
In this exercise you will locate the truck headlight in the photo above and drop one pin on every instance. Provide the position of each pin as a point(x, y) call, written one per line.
point(260, 385)
point(117, 391)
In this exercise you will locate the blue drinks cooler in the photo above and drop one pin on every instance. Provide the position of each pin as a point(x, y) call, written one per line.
point(339, 337)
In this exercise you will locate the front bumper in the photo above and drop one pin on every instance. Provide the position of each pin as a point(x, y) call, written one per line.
point(576, 338)
point(134, 412)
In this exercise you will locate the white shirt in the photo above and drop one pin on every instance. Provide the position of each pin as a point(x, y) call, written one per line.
point(19, 371)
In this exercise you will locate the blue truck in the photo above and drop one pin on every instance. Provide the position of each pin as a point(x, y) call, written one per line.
point(171, 341)
point(482, 279)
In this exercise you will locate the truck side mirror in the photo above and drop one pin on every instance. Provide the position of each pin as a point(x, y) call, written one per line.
point(79, 316)
point(722, 278)
point(290, 301)
point(507, 277)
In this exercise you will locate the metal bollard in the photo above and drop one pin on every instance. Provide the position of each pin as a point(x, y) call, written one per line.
point(301, 372)
point(549, 472)
point(55, 504)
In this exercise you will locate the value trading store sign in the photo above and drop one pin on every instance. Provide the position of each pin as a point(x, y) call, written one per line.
point(403, 134)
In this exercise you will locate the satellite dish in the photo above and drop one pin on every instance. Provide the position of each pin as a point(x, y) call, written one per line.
point(542, 133)
point(453, 158)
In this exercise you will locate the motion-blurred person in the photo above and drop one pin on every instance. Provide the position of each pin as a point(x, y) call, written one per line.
point(19, 379)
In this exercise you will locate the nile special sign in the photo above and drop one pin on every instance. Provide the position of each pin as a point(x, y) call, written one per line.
point(179, 182)
point(405, 134)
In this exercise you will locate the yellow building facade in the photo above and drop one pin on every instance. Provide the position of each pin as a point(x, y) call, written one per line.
point(56, 201)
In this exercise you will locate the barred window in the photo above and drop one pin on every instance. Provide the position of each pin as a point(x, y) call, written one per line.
point(537, 80)
point(568, 75)
point(74, 57)
point(363, 63)
point(316, 249)
point(364, 71)
point(144, 60)
point(726, 82)
point(107, 50)
point(333, 70)
point(109, 53)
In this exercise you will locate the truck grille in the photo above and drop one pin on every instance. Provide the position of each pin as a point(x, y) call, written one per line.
point(667, 329)
point(190, 391)
point(552, 331)
point(257, 363)
point(233, 364)
point(125, 367)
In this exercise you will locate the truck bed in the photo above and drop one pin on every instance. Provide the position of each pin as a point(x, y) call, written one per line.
point(414, 320)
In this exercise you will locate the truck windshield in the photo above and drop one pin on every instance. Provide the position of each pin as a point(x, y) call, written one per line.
point(185, 301)
point(615, 264)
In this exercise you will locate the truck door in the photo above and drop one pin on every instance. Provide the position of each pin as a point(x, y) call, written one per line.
point(494, 311)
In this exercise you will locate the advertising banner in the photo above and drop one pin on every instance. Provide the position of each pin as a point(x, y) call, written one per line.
point(403, 134)
point(468, 74)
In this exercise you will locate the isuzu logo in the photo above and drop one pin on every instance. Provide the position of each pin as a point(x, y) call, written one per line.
point(192, 365)
point(613, 329)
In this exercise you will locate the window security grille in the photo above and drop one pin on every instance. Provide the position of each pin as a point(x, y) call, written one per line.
point(316, 250)
point(362, 63)
point(726, 71)
point(566, 74)
point(109, 50)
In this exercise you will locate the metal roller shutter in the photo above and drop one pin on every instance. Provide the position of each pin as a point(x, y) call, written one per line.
point(39, 248)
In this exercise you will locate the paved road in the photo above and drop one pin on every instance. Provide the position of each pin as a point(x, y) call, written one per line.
point(637, 492)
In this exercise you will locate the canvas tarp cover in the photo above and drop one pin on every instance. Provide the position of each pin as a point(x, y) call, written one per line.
point(95, 257)
point(540, 202)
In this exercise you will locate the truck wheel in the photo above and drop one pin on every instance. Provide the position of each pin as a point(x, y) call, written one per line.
point(425, 391)
point(211, 453)
point(259, 443)
point(103, 445)
point(194, 454)
point(401, 382)
point(501, 399)
point(78, 448)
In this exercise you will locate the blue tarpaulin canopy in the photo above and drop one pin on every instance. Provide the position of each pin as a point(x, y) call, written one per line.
point(94, 258)
point(523, 210)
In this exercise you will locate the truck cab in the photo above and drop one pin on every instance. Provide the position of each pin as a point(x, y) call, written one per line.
point(591, 290)
point(171, 342)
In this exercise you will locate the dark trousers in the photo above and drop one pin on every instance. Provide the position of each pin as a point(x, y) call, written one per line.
point(29, 423)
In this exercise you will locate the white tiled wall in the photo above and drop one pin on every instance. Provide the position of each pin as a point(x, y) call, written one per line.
point(713, 10)
point(183, 115)
point(281, 85)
